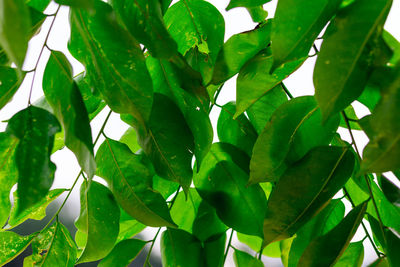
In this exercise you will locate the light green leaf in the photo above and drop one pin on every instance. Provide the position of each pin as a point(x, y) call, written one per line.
point(242, 259)
point(129, 138)
point(245, 3)
point(293, 201)
point(12, 244)
point(123, 253)
point(394, 45)
point(35, 128)
point(296, 25)
point(257, 13)
point(338, 239)
point(128, 227)
point(98, 222)
point(64, 97)
point(380, 262)
point(9, 84)
point(130, 181)
point(353, 256)
point(77, 3)
point(294, 128)
point(255, 243)
point(341, 71)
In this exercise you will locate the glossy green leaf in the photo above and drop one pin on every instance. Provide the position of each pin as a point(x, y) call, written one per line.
point(293, 201)
point(382, 153)
point(224, 187)
point(8, 173)
point(130, 181)
point(129, 138)
point(380, 262)
point(98, 221)
point(63, 95)
point(168, 80)
point(77, 3)
point(113, 59)
point(169, 142)
point(198, 28)
point(11, 245)
point(15, 28)
point(214, 250)
point(53, 247)
point(255, 243)
point(36, 212)
point(238, 50)
point(238, 132)
point(35, 128)
point(165, 187)
point(179, 248)
point(255, 80)
point(261, 111)
point(245, 3)
point(143, 19)
point(394, 45)
point(337, 239)
point(323, 222)
point(123, 253)
point(353, 119)
point(128, 227)
point(353, 256)
point(242, 259)
point(9, 84)
point(93, 103)
point(294, 128)
point(341, 71)
point(39, 5)
point(296, 26)
point(257, 13)
point(390, 190)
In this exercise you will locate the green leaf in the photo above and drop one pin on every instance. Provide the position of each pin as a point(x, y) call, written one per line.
point(113, 59)
point(53, 247)
point(238, 50)
point(238, 132)
point(198, 28)
point(9, 84)
point(382, 153)
point(123, 253)
point(143, 19)
point(15, 29)
point(222, 183)
point(245, 3)
point(128, 227)
point(380, 262)
point(341, 71)
point(169, 142)
point(255, 243)
point(337, 239)
point(323, 222)
point(261, 111)
point(214, 249)
point(293, 201)
point(77, 3)
point(8, 173)
point(35, 128)
point(179, 248)
point(394, 45)
point(36, 212)
point(257, 13)
point(296, 25)
point(92, 100)
point(353, 256)
point(390, 190)
point(63, 95)
point(352, 116)
point(168, 80)
point(98, 221)
point(242, 259)
point(294, 128)
point(165, 187)
point(130, 181)
point(12, 244)
point(39, 5)
point(255, 80)
point(129, 138)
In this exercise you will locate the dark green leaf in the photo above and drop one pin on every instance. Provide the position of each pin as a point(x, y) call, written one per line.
point(238, 132)
point(8, 173)
point(123, 253)
point(97, 222)
point(390, 190)
point(245, 3)
point(130, 181)
point(380, 262)
point(77, 3)
point(9, 84)
point(15, 28)
point(198, 28)
point(337, 240)
point(114, 61)
point(53, 247)
point(255, 81)
point(39, 5)
point(341, 71)
point(296, 26)
point(63, 95)
point(143, 19)
point(261, 111)
point(164, 186)
point(214, 249)
point(11, 245)
point(179, 248)
point(242, 259)
point(293, 202)
point(238, 50)
point(323, 222)
point(35, 128)
point(93, 103)
point(353, 256)
point(294, 128)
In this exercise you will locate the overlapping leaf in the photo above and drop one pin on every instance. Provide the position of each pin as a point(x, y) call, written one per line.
point(12, 244)
point(123, 253)
point(9, 84)
point(242, 259)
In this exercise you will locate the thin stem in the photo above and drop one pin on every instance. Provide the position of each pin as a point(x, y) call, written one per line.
point(216, 97)
point(260, 253)
point(174, 198)
point(227, 248)
point(286, 91)
point(147, 261)
point(40, 54)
